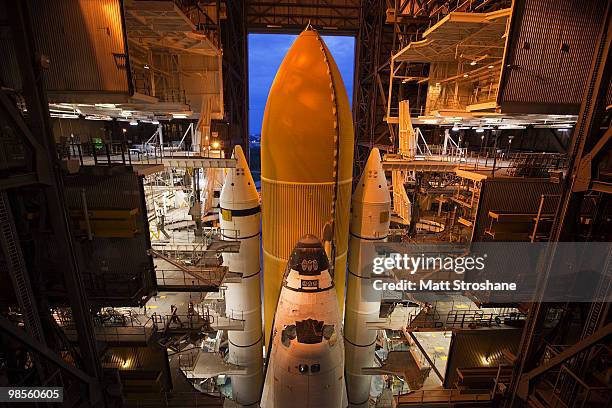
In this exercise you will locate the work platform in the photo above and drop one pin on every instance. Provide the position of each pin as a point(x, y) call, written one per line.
point(146, 163)
point(116, 336)
point(473, 167)
point(456, 29)
point(444, 397)
point(402, 364)
point(185, 265)
point(181, 162)
point(209, 364)
point(215, 246)
point(446, 313)
point(131, 332)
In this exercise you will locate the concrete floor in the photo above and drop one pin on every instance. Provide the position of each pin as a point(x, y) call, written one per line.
point(436, 345)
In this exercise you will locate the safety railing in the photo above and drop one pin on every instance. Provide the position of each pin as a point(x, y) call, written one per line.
point(111, 325)
point(93, 153)
point(585, 394)
point(176, 246)
point(440, 396)
point(104, 153)
point(496, 160)
point(169, 278)
point(426, 317)
point(480, 318)
point(154, 153)
point(123, 325)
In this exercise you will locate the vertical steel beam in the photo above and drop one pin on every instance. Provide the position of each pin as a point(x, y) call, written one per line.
point(235, 72)
point(365, 94)
point(565, 227)
point(38, 118)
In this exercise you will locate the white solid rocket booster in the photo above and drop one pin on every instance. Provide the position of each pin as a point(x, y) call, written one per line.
point(305, 366)
point(369, 224)
point(240, 219)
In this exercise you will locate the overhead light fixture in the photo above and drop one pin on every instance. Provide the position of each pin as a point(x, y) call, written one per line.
point(437, 84)
point(473, 63)
point(146, 66)
point(490, 66)
point(179, 116)
point(479, 130)
point(155, 122)
point(554, 126)
point(455, 128)
point(465, 75)
point(92, 117)
point(511, 127)
point(563, 129)
point(64, 115)
point(215, 145)
point(133, 123)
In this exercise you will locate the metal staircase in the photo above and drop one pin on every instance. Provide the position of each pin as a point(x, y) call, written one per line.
point(17, 270)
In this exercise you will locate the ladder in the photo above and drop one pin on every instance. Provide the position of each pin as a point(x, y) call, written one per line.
point(17, 270)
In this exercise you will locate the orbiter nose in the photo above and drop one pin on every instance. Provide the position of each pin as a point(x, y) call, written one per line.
point(239, 191)
point(308, 257)
point(372, 187)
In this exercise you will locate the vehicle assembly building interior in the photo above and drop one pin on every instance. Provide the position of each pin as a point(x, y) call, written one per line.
point(432, 230)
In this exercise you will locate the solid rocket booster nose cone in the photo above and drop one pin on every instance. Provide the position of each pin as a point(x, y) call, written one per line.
point(238, 153)
point(239, 191)
point(374, 161)
point(241, 162)
point(372, 186)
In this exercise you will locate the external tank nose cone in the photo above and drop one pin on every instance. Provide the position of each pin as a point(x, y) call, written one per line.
point(307, 130)
point(308, 256)
point(372, 186)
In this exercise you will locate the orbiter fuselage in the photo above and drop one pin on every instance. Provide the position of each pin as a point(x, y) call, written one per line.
point(306, 360)
point(307, 146)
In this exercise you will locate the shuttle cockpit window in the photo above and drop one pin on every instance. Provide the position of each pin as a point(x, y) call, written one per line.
point(328, 331)
point(288, 334)
point(309, 331)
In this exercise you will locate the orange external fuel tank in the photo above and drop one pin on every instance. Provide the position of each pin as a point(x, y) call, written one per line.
point(306, 164)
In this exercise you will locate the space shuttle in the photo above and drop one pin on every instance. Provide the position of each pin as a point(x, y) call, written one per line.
point(306, 180)
point(306, 354)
